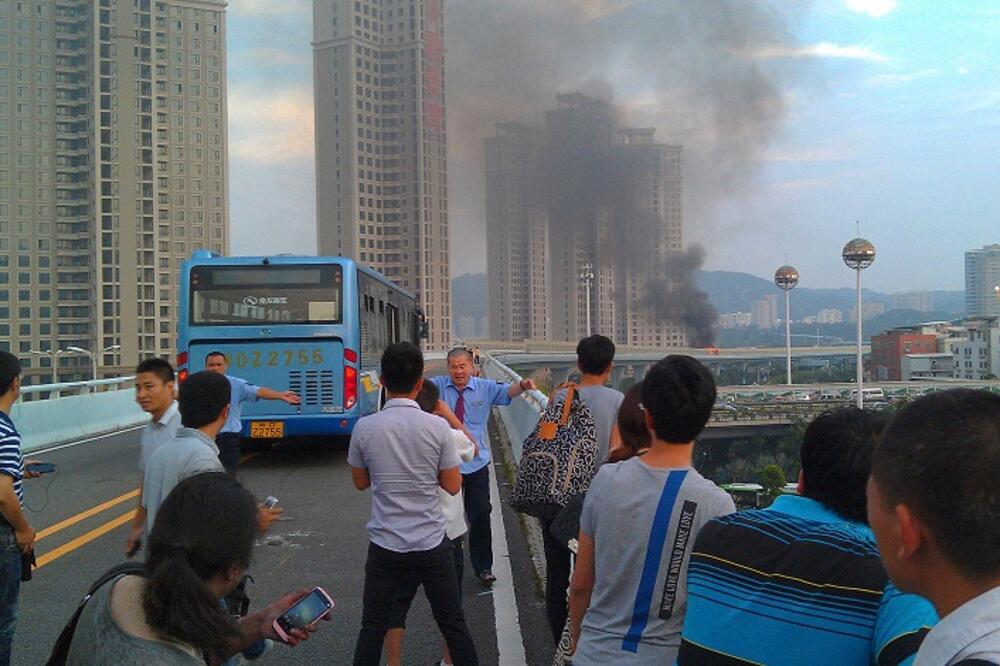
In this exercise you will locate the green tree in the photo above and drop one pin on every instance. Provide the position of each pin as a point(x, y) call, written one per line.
point(772, 477)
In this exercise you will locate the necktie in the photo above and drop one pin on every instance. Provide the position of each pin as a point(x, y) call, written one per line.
point(460, 407)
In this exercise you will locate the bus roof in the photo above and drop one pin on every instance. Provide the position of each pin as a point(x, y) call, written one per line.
point(205, 257)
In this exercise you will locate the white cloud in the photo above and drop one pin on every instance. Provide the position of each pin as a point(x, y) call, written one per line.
point(270, 128)
point(270, 7)
point(812, 154)
point(899, 79)
point(818, 50)
point(591, 10)
point(963, 70)
point(873, 8)
point(264, 56)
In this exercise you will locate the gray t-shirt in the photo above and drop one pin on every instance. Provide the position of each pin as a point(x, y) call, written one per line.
point(190, 452)
point(603, 403)
point(643, 521)
point(98, 641)
point(403, 449)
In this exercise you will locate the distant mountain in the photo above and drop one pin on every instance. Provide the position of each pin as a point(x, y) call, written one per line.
point(735, 292)
point(468, 296)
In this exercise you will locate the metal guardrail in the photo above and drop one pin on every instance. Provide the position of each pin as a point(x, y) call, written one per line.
point(77, 388)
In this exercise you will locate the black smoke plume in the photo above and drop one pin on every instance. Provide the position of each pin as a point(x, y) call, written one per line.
point(676, 298)
point(696, 70)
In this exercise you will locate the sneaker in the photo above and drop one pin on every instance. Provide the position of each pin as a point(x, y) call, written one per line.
point(487, 578)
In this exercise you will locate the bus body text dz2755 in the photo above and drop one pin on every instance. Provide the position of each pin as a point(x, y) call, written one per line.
point(313, 325)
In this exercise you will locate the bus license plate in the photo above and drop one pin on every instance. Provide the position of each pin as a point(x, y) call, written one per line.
point(267, 429)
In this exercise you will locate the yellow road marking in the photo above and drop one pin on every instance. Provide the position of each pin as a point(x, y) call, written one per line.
point(73, 520)
point(84, 539)
point(97, 531)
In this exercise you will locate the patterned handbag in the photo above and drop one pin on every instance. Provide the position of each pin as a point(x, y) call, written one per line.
point(558, 459)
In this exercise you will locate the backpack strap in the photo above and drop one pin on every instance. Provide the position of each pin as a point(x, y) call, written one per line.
point(60, 651)
point(547, 429)
point(567, 404)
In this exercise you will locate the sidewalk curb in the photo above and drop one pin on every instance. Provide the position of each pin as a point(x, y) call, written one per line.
point(530, 525)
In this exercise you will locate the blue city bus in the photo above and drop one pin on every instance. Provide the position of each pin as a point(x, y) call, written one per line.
point(313, 325)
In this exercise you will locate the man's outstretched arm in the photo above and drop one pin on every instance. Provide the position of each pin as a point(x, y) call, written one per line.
point(291, 397)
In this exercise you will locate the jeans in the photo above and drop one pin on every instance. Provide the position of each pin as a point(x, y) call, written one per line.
point(557, 572)
point(10, 586)
point(476, 487)
point(386, 571)
point(229, 451)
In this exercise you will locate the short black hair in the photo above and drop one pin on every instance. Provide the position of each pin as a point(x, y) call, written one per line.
point(402, 367)
point(10, 369)
point(836, 456)
point(215, 353)
point(202, 398)
point(158, 367)
point(679, 393)
point(428, 397)
point(939, 456)
point(595, 354)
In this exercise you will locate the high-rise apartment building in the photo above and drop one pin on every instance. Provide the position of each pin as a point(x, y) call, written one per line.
point(982, 281)
point(381, 149)
point(765, 312)
point(580, 201)
point(112, 169)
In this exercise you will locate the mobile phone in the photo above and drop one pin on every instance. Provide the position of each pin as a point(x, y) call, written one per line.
point(305, 611)
point(271, 502)
point(40, 468)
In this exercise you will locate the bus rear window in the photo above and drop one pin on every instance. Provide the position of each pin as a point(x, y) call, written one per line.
point(254, 295)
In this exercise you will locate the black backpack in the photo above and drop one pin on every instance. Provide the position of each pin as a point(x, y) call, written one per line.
point(60, 651)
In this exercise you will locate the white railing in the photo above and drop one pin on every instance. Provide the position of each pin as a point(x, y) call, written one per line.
point(94, 408)
point(77, 388)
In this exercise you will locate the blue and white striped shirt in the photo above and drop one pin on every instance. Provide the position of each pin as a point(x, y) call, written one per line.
point(11, 462)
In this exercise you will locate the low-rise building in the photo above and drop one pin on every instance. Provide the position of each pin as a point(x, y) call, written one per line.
point(937, 365)
point(889, 348)
point(978, 356)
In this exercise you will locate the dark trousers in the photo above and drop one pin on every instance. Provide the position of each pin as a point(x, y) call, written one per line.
point(10, 586)
point(229, 451)
point(557, 572)
point(476, 487)
point(386, 572)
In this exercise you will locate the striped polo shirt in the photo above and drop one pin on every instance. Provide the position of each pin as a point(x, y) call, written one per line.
point(10, 456)
point(796, 584)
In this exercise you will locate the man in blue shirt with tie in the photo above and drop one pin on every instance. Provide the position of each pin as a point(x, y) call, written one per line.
point(472, 399)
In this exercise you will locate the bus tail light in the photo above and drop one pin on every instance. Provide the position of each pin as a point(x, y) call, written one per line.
point(182, 371)
point(350, 387)
point(350, 356)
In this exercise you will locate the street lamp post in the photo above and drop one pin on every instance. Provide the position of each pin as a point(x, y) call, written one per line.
point(786, 278)
point(54, 355)
point(587, 278)
point(859, 254)
point(93, 356)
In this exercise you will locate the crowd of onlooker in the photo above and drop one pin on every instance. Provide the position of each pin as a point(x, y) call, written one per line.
point(888, 553)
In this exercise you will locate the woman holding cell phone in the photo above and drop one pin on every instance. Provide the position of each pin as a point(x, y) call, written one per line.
point(199, 549)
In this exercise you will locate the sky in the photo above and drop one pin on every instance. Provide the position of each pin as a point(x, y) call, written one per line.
point(798, 120)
